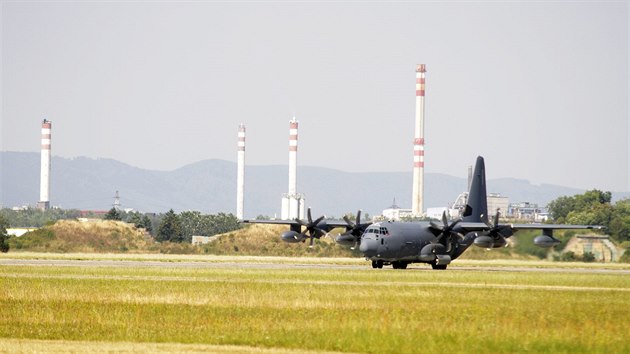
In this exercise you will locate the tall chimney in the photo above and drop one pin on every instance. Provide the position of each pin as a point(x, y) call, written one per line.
point(44, 186)
point(292, 202)
point(417, 199)
point(293, 145)
point(240, 176)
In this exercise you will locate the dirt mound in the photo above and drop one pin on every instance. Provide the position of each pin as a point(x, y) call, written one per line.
point(74, 236)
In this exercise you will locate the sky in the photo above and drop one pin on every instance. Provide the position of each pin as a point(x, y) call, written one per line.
point(539, 88)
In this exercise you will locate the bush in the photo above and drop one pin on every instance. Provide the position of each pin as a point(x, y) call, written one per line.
point(568, 257)
point(588, 257)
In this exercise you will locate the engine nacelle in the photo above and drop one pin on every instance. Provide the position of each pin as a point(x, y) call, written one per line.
point(347, 240)
point(428, 252)
point(292, 236)
point(546, 241)
point(442, 259)
point(486, 241)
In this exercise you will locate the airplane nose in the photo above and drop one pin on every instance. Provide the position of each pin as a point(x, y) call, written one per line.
point(368, 247)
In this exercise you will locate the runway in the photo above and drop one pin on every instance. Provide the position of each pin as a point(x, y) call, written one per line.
point(295, 263)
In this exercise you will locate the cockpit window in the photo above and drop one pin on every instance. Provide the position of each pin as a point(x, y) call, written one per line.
point(377, 230)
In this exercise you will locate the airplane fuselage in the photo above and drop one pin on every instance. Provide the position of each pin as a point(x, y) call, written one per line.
point(401, 243)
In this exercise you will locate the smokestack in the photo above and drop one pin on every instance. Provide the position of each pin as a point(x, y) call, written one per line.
point(417, 198)
point(44, 186)
point(240, 176)
point(293, 145)
point(292, 202)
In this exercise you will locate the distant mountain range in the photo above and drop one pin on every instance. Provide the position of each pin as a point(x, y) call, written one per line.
point(209, 186)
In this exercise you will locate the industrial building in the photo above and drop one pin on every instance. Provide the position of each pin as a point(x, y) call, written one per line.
point(394, 212)
point(528, 211)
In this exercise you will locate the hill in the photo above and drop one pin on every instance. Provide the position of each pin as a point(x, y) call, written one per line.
point(209, 186)
point(90, 237)
point(264, 240)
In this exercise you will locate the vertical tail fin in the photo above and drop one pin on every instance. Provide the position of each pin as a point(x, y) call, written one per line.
point(477, 205)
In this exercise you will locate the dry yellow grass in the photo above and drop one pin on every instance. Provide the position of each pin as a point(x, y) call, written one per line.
point(64, 346)
point(349, 309)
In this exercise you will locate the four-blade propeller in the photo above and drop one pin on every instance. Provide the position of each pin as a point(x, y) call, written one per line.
point(495, 236)
point(354, 230)
point(445, 228)
point(312, 227)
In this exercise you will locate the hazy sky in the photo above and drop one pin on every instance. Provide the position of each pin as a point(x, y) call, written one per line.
point(540, 88)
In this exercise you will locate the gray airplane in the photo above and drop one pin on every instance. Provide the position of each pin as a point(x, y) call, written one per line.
point(436, 243)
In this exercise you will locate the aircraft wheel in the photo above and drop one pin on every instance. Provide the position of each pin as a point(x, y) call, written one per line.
point(379, 264)
point(402, 265)
point(374, 265)
point(438, 266)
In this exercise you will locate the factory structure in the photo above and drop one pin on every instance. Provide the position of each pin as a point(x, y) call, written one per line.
point(292, 201)
point(44, 185)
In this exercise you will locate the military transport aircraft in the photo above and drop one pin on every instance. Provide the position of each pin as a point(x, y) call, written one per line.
point(435, 243)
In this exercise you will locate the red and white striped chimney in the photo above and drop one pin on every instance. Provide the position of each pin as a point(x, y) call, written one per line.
point(44, 187)
point(292, 201)
point(417, 201)
point(240, 176)
point(293, 145)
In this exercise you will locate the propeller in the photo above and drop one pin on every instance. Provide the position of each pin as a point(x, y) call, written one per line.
point(312, 229)
point(499, 232)
point(445, 228)
point(354, 229)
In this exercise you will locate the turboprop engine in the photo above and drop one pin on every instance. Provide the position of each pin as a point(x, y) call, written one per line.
point(292, 236)
point(433, 252)
point(496, 235)
point(486, 241)
point(546, 241)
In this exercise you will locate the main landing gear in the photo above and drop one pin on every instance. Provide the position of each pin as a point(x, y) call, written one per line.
point(438, 266)
point(397, 265)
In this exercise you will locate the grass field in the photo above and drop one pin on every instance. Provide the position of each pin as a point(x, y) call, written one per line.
point(345, 307)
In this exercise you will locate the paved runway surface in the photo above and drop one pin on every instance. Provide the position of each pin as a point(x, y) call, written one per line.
point(282, 265)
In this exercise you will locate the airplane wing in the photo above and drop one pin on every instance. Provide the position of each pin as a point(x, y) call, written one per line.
point(517, 227)
point(489, 236)
point(318, 228)
point(479, 226)
point(331, 223)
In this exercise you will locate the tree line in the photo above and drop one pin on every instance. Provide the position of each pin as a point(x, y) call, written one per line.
point(180, 227)
point(594, 207)
point(163, 227)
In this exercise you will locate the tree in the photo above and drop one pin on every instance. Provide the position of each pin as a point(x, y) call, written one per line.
point(619, 227)
point(591, 207)
point(113, 214)
point(561, 207)
point(170, 228)
point(192, 224)
point(4, 236)
point(146, 224)
point(135, 218)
